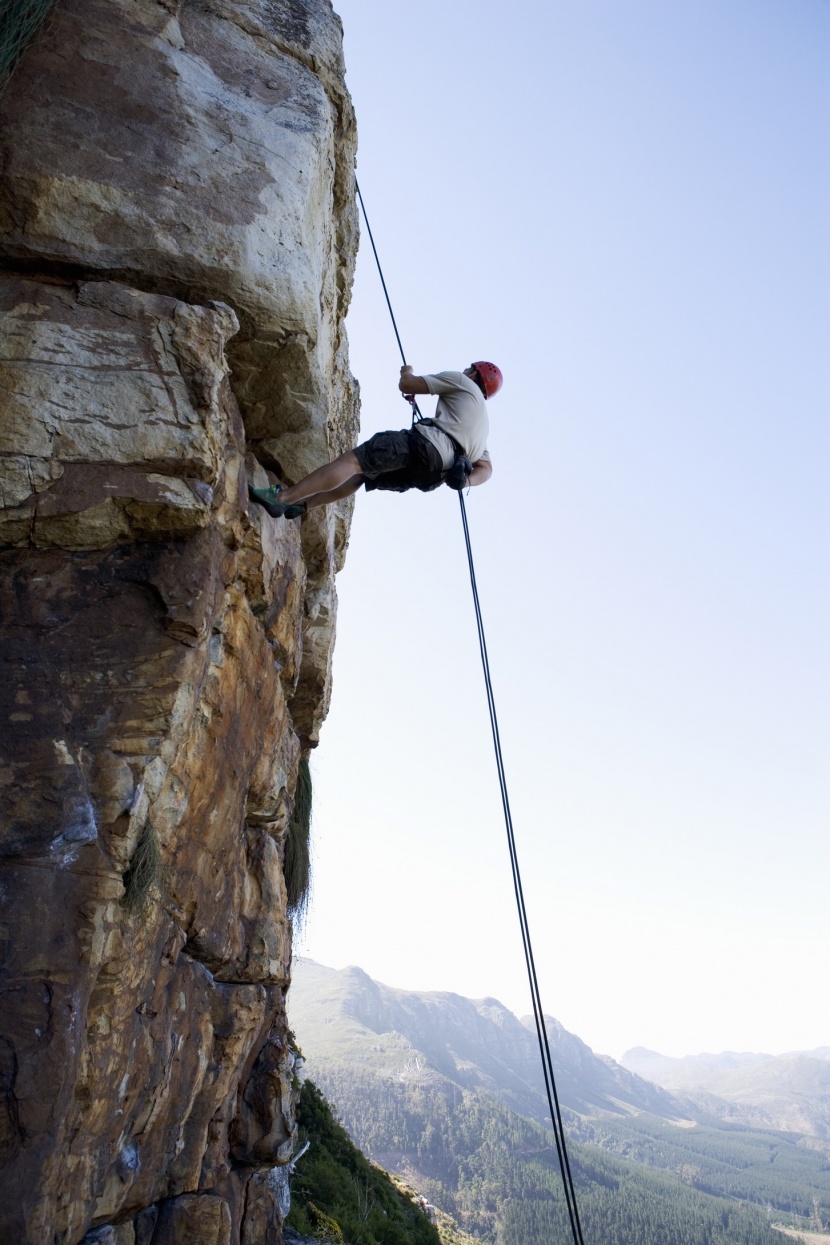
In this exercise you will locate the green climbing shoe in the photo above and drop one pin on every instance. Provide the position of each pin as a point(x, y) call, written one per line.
point(269, 499)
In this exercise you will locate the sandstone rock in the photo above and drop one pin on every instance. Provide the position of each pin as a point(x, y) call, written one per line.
point(263, 1131)
point(143, 693)
point(177, 236)
point(193, 1220)
point(122, 1234)
point(144, 1225)
point(207, 148)
point(266, 1205)
point(141, 683)
point(147, 440)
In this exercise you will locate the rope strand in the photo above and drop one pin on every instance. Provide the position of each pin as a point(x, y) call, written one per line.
point(538, 1013)
point(380, 273)
point(416, 414)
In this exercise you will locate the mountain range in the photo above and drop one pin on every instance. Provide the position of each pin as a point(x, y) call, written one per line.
point(479, 1044)
point(789, 1092)
point(445, 1092)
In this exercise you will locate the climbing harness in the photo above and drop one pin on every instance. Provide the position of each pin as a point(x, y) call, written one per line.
point(538, 1013)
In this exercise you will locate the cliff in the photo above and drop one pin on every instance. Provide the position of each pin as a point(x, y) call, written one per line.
point(177, 237)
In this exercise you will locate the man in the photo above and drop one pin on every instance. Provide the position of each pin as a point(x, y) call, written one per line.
point(453, 443)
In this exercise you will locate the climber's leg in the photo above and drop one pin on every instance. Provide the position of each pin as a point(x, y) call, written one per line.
point(388, 460)
point(345, 490)
point(326, 479)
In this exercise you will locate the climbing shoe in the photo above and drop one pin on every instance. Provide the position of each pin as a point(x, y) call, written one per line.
point(269, 499)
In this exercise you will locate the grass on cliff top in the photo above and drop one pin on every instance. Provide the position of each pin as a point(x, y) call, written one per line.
point(338, 1195)
point(297, 866)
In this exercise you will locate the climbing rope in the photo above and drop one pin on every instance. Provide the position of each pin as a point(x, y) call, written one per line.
point(538, 1013)
point(416, 414)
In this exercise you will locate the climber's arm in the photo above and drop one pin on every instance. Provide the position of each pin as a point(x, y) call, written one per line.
point(481, 472)
point(410, 383)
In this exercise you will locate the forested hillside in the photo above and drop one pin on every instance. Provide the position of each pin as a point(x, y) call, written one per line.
point(774, 1170)
point(497, 1173)
point(429, 1085)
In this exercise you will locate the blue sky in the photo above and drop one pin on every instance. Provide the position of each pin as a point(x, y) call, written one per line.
point(625, 206)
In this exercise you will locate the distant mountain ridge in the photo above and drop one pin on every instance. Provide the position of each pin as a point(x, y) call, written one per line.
point(790, 1092)
point(478, 1043)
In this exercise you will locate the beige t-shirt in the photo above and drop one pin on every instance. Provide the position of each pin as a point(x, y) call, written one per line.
point(462, 410)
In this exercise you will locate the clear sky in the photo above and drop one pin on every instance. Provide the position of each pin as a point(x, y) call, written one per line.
point(625, 205)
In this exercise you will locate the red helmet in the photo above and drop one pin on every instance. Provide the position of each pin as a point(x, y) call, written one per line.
point(491, 377)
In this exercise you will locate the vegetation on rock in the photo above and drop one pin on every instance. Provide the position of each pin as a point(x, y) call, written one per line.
point(297, 867)
point(145, 870)
point(21, 21)
point(337, 1190)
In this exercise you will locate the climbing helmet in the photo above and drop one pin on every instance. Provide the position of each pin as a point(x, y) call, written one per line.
point(491, 377)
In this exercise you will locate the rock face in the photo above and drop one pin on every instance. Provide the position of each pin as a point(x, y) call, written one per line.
point(177, 237)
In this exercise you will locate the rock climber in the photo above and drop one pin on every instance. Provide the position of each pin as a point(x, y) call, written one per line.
point(451, 447)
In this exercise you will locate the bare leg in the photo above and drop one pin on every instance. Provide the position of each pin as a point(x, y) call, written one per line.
point(327, 479)
point(335, 494)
